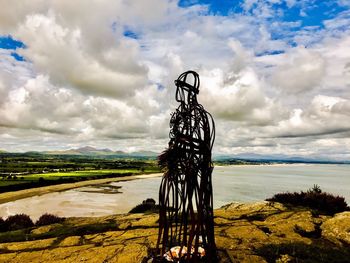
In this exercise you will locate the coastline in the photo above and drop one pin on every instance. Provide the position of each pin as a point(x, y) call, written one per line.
point(21, 194)
point(266, 164)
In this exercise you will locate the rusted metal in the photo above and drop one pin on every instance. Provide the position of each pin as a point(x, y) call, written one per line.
point(186, 193)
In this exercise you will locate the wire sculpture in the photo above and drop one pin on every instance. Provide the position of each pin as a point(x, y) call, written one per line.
point(186, 193)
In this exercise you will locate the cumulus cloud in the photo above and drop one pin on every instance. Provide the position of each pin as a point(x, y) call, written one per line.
point(301, 70)
point(325, 115)
point(240, 99)
point(62, 53)
point(269, 83)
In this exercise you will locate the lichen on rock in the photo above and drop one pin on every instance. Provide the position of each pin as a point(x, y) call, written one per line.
point(258, 232)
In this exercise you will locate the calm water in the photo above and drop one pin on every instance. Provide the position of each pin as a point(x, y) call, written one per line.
point(231, 183)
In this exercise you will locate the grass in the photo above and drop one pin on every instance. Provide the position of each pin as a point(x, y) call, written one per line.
point(9, 182)
point(85, 173)
point(91, 173)
point(43, 179)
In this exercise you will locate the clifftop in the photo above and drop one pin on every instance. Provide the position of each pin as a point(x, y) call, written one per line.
point(258, 232)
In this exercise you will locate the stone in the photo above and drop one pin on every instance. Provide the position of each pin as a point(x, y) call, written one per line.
point(337, 229)
point(71, 241)
point(242, 231)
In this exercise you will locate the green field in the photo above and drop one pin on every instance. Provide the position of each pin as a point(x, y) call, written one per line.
point(23, 171)
point(43, 179)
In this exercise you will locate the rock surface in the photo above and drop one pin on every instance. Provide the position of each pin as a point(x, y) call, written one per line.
point(259, 232)
point(337, 229)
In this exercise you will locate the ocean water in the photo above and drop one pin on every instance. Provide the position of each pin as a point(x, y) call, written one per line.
point(247, 183)
point(258, 182)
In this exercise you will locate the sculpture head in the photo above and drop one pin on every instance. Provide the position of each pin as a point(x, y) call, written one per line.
point(187, 86)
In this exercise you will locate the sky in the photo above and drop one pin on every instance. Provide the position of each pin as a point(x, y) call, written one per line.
point(275, 74)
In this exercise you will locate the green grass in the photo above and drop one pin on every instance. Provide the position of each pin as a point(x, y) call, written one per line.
point(36, 170)
point(9, 182)
point(91, 173)
point(42, 179)
point(85, 173)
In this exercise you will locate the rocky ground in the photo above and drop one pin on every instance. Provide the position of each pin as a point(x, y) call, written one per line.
point(259, 232)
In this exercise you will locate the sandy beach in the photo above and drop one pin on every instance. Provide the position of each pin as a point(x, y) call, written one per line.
point(12, 196)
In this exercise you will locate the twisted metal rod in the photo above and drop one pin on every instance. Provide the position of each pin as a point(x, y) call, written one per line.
point(186, 193)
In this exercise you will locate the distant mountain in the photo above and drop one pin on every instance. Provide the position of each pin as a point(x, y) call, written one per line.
point(88, 150)
point(144, 153)
point(277, 158)
point(225, 158)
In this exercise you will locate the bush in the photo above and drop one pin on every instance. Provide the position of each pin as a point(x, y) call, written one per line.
point(48, 219)
point(313, 198)
point(2, 225)
point(17, 222)
point(147, 205)
point(41, 180)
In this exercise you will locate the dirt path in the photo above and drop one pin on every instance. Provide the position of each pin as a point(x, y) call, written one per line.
point(12, 196)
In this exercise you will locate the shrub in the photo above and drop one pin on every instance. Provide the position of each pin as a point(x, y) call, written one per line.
point(2, 225)
point(147, 205)
point(313, 198)
point(48, 219)
point(17, 222)
point(150, 201)
point(41, 180)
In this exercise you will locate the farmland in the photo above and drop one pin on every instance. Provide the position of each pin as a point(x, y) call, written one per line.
point(28, 170)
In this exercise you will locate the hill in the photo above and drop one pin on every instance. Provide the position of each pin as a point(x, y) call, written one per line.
point(270, 159)
point(259, 232)
point(88, 150)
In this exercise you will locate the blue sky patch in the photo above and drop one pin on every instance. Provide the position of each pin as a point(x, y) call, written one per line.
point(313, 14)
point(160, 86)
point(272, 52)
point(7, 42)
point(17, 57)
point(131, 34)
point(310, 13)
point(216, 7)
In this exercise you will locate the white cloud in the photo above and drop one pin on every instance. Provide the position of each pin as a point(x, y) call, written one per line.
point(344, 2)
point(237, 99)
point(84, 82)
point(64, 55)
point(325, 115)
point(301, 70)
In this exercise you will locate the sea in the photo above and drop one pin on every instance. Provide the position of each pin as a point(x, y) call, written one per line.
point(237, 183)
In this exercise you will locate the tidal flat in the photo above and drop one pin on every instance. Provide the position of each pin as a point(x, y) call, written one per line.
point(243, 183)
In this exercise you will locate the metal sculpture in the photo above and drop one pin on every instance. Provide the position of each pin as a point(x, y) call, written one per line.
point(186, 194)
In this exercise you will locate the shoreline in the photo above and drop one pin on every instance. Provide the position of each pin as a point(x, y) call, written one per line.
point(277, 164)
point(21, 194)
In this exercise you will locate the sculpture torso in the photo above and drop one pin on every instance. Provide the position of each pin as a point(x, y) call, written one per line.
point(191, 135)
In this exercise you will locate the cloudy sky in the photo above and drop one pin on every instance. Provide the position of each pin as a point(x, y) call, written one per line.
point(275, 74)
